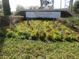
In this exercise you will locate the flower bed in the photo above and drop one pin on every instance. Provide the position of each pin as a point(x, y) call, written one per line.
point(42, 30)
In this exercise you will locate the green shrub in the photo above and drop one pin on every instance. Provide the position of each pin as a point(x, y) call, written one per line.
point(42, 30)
point(76, 7)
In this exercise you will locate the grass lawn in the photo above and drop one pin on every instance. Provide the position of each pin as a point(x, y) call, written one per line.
point(74, 20)
point(29, 49)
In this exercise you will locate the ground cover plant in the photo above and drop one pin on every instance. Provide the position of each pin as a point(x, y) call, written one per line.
point(39, 39)
point(42, 30)
point(30, 49)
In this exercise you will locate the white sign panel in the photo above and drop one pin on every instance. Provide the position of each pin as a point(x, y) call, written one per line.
point(43, 14)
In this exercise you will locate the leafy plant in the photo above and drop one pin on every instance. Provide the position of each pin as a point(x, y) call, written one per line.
point(43, 30)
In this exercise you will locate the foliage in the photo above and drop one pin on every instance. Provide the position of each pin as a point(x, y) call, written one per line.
point(27, 40)
point(20, 8)
point(76, 7)
point(42, 30)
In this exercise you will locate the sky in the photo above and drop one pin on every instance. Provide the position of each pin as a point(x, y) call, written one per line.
point(28, 3)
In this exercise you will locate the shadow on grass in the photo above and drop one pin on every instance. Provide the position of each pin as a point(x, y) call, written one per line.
point(2, 39)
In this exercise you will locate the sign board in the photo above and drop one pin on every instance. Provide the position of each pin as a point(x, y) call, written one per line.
point(39, 14)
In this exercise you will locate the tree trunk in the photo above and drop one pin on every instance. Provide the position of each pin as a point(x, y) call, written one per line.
point(6, 7)
point(71, 5)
